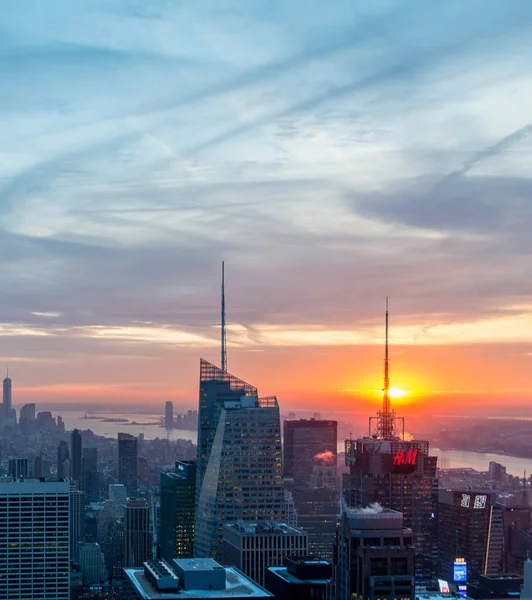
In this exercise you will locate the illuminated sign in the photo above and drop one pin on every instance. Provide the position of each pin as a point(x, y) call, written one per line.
point(444, 586)
point(462, 589)
point(460, 570)
point(479, 501)
point(404, 457)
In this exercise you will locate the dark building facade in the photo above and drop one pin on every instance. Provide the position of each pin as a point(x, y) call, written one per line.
point(177, 514)
point(307, 442)
point(136, 532)
point(470, 532)
point(89, 474)
point(300, 578)
point(400, 476)
point(76, 456)
point(374, 557)
point(63, 460)
point(127, 462)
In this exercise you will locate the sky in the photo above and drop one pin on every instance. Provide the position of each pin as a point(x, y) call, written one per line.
point(332, 154)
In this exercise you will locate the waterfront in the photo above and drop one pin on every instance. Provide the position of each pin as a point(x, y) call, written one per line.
point(455, 459)
point(110, 424)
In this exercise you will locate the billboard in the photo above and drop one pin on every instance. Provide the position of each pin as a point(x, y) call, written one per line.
point(459, 570)
point(444, 586)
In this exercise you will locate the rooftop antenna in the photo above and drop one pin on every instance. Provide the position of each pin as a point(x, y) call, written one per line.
point(387, 420)
point(224, 347)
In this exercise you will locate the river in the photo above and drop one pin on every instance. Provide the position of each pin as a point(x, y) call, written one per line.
point(455, 459)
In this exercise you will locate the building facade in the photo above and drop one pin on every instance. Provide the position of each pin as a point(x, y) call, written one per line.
point(76, 447)
point(177, 512)
point(375, 557)
point(169, 414)
point(136, 532)
point(300, 578)
point(253, 547)
point(127, 462)
point(400, 476)
point(239, 468)
point(34, 539)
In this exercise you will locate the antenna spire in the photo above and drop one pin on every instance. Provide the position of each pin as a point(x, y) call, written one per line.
point(224, 347)
point(387, 415)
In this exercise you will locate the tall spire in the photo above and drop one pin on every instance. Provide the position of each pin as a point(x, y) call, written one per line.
point(224, 348)
point(388, 417)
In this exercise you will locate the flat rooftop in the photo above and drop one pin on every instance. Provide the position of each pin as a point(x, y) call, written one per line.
point(263, 528)
point(237, 586)
point(290, 578)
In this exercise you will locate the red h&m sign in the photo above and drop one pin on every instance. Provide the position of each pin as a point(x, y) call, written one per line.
point(404, 457)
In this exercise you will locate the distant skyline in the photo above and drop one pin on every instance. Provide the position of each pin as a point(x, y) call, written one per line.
point(332, 155)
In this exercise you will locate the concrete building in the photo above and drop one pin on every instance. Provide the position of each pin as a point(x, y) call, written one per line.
point(253, 547)
point(128, 462)
point(239, 471)
point(300, 578)
point(19, 467)
point(91, 561)
point(136, 532)
point(191, 579)
point(177, 512)
point(375, 557)
point(34, 539)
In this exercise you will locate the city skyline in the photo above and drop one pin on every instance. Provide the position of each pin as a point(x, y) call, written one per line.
point(330, 160)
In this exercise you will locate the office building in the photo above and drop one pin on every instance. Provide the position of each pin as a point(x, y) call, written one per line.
point(91, 561)
point(239, 473)
point(308, 442)
point(397, 474)
point(41, 466)
point(470, 534)
point(114, 553)
point(18, 467)
point(76, 460)
point(27, 418)
point(34, 539)
point(169, 414)
point(77, 519)
point(375, 557)
point(118, 495)
point(137, 542)
point(253, 547)
point(7, 399)
point(89, 473)
point(300, 578)
point(177, 512)
point(127, 462)
point(63, 460)
point(191, 579)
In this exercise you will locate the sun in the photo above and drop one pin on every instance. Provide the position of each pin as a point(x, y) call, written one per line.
point(397, 393)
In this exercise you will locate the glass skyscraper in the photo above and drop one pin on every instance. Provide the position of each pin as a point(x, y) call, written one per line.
point(239, 468)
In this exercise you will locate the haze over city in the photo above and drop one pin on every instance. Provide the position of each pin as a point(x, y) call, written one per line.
point(377, 149)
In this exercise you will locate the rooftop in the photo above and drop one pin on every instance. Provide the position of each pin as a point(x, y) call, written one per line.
point(237, 586)
point(263, 528)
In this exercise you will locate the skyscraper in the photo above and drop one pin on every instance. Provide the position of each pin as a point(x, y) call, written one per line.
point(127, 462)
point(136, 532)
point(77, 519)
point(7, 398)
point(63, 456)
point(90, 474)
point(239, 458)
point(75, 466)
point(399, 475)
point(375, 556)
point(34, 539)
point(18, 467)
point(308, 442)
point(169, 414)
point(177, 516)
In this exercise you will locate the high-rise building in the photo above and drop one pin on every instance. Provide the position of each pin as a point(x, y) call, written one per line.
point(63, 457)
point(177, 513)
point(27, 418)
point(41, 466)
point(253, 547)
point(400, 475)
point(118, 495)
point(136, 532)
point(470, 535)
point(77, 454)
point(77, 519)
point(300, 578)
point(18, 467)
point(308, 442)
point(91, 561)
point(127, 462)
point(114, 557)
point(169, 414)
point(34, 539)
point(89, 473)
point(7, 398)
point(239, 474)
point(375, 557)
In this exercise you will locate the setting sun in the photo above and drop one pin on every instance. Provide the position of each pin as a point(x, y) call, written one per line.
point(397, 392)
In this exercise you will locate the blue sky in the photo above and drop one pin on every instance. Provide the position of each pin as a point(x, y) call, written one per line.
point(331, 153)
